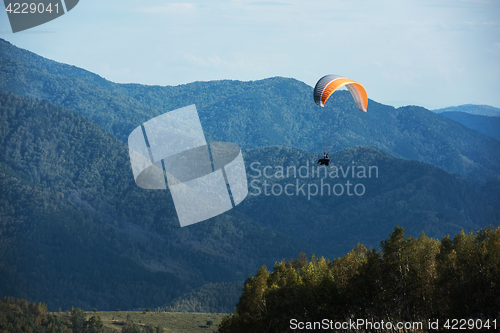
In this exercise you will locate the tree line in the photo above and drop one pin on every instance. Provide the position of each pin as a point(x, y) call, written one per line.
point(18, 315)
point(21, 316)
point(408, 280)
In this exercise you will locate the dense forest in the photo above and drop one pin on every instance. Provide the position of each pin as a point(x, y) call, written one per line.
point(73, 220)
point(408, 280)
point(417, 196)
point(213, 297)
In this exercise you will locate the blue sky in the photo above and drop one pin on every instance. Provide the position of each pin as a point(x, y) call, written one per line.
point(432, 53)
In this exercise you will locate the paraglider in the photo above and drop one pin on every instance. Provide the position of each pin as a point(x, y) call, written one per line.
point(325, 88)
point(325, 160)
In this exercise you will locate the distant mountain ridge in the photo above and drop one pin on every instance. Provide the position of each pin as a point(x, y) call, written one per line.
point(9, 51)
point(274, 111)
point(486, 125)
point(482, 110)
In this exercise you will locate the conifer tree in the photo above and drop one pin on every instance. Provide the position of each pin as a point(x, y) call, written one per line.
point(78, 320)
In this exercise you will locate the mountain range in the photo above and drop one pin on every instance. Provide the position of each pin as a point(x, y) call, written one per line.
point(75, 230)
point(486, 125)
point(481, 110)
point(274, 111)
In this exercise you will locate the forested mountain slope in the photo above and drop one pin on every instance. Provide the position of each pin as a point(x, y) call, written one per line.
point(319, 209)
point(77, 231)
point(486, 125)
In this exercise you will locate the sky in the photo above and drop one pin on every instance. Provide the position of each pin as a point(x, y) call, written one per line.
point(431, 53)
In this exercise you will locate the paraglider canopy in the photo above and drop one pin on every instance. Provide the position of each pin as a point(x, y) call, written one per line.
point(328, 84)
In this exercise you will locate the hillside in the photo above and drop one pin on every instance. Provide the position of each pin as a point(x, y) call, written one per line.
point(73, 221)
point(274, 111)
point(487, 125)
point(414, 195)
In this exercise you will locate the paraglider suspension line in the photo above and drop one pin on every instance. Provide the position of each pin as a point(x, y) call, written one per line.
point(328, 133)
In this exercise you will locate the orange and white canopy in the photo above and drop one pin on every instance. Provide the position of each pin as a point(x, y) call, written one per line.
point(328, 84)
